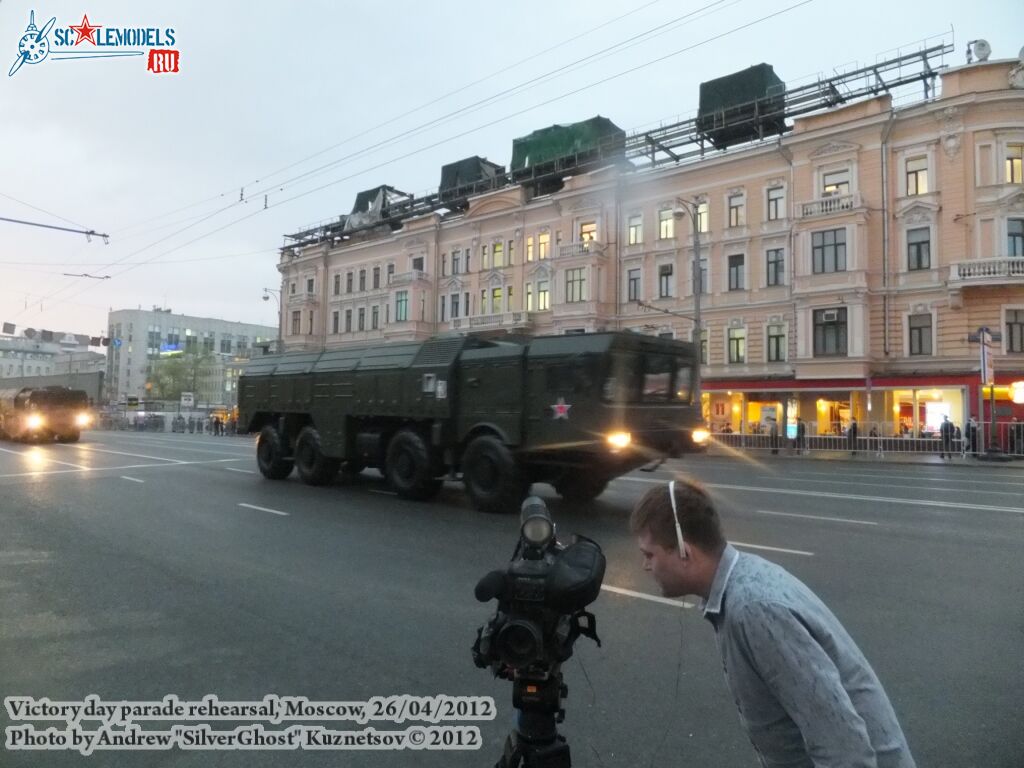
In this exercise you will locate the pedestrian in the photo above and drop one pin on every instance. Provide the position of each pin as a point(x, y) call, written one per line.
point(851, 436)
point(972, 436)
point(1015, 435)
point(191, 425)
point(773, 434)
point(946, 432)
point(806, 694)
point(801, 435)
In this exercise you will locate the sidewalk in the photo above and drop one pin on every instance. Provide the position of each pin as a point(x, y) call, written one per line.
point(865, 457)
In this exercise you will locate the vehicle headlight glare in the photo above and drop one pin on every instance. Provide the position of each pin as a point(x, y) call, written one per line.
point(619, 440)
point(83, 419)
point(700, 435)
point(34, 421)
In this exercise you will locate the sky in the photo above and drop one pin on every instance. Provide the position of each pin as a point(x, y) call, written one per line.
point(280, 113)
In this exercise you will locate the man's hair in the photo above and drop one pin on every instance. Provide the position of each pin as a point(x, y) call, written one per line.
point(697, 517)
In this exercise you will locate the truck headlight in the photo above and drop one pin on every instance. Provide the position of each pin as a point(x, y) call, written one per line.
point(34, 421)
point(83, 419)
point(700, 435)
point(619, 440)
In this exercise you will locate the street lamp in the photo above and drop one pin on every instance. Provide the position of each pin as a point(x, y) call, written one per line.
point(692, 208)
point(267, 293)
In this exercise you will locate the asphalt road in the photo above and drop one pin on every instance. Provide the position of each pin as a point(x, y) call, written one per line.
point(130, 568)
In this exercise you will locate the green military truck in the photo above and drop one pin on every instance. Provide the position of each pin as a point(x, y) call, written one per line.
point(574, 411)
point(44, 413)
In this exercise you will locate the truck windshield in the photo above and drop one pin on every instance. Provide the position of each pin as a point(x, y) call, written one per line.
point(649, 378)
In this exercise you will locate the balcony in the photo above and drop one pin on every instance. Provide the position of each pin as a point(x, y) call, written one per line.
point(828, 206)
point(407, 278)
point(508, 320)
point(586, 248)
point(296, 299)
point(988, 271)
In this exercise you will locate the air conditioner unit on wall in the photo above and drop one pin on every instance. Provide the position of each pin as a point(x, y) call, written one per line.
point(830, 315)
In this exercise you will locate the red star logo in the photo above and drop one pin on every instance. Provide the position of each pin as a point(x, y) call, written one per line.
point(85, 30)
point(561, 409)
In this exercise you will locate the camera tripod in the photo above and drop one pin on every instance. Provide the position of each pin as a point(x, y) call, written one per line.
point(535, 741)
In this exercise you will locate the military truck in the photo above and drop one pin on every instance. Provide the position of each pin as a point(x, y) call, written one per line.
point(573, 411)
point(44, 413)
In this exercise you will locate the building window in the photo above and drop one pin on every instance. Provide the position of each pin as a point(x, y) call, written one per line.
point(588, 231)
point(1015, 330)
point(543, 296)
point(335, 320)
point(775, 267)
point(736, 272)
point(456, 258)
point(455, 305)
point(702, 218)
point(633, 284)
point(920, 327)
point(776, 204)
point(348, 321)
point(575, 285)
point(496, 301)
point(737, 214)
point(374, 317)
point(830, 332)
point(485, 257)
point(917, 176)
point(401, 306)
point(1015, 237)
point(776, 343)
point(529, 297)
point(835, 183)
point(483, 301)
point(391, 272)
point(529, 249)
point(444, 265)
point(511, 252)
point(348, 282)
point(737, 345)
point(543, 245)
point(665, 272)
point(362, 279)
point(635, 230)
point(376, 278)
point(499, 255)
point(828, 250)
point(337, 285)
point(919, 248)
point(291, 288)
point(296, 323)
point(361, 319)
point(309, 285)
point(417, 264)
point(704, 347)
point(666, 224)
point(1014, 158)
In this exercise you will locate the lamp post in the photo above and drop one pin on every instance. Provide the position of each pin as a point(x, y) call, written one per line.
point(267, 293)
point(692, 208)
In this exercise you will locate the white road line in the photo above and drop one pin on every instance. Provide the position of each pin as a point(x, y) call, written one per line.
point(383, 493)
point(771, 549)
point(187, 446)
point(816, 517)
point(798, 469)
point(651, 598)
point(87, 449)
point(39, 456)
point(851, 496)
point(265, 509)
point(904, 486)
point(246, 471)
point(41, 473)
point(133, 479)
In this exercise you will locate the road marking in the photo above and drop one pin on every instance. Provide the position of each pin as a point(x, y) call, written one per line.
point(265, 509)
point(246, 471)
point(771, 549)
point(645, 596)
point(40, 456)
point(385, 493)
point(88, 449)
point(133, 479)
point(903, 485)
point(817, 517)
point(40, 473)
point(851, 496)
point(188, 446)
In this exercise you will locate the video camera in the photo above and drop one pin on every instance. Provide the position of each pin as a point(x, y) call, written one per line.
point(542, 596)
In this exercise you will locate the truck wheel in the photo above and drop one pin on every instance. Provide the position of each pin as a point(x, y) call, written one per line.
point(69, 437)
point(579, 487)
point(270, 455)
point(492, 478)
point(408, 467)
point(313, 466)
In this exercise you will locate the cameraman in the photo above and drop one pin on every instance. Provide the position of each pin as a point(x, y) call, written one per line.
point(806, 694)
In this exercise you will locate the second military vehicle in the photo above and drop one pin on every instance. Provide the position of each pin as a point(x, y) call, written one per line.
point(574, 411)
point(44, 413)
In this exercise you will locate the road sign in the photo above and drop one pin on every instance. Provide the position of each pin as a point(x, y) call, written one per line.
point(187, 400)
point(132, 402)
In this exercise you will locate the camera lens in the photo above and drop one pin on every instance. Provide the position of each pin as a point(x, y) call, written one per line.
point(519, 643)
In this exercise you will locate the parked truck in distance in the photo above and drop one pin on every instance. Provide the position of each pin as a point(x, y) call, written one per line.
point(574, 411)
point(44, 413)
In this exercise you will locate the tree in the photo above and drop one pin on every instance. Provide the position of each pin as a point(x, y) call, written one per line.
point(179, 373)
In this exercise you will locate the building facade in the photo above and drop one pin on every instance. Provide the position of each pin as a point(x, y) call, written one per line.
point(29, 356)
point(842, 266)
point(140, 337)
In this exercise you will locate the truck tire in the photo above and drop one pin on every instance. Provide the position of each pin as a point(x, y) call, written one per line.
point(270, 455)
point(69, 437)
point(313, 466)
point(580, 487)
point(408, 468)
point(493, 480)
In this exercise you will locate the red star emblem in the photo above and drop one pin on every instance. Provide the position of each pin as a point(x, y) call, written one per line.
point(561, 409)
point(85, 30)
